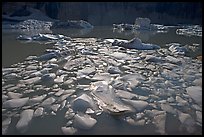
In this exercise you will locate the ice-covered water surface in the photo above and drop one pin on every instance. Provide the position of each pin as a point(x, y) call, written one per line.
point(190, 30)
point(89, 85)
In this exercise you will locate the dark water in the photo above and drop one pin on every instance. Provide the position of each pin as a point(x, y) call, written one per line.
point(14, 51)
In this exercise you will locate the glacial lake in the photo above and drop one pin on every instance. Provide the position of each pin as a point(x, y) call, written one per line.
point(14, 51)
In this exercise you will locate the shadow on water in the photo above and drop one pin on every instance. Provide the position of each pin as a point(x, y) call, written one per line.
point(51, 125)
point(114, 125)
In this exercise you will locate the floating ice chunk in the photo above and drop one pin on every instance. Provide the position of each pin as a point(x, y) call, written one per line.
point(181, 101)
point(199, 116)
point(113, 70)
point(32, 67)
point(60, 92)
point(198, 82)
point(176, 49)
point(84, 121)
point(55, 107)
point(63, 97)
point(68, 130)
point(89, 111)
point(112, 40)
point(5, 125)
point(86, 71)
point(63, 104)
point(173, 60)
point(4, 98)
point(68, 82)
point(120, 56)
point(187, 121)
point(48, 101)
point(45, 37)
point(11, 76)
point(138, 104)
point(37, 99)
point(48, 38)
point(154, 112)
point(69, 114)
point(14, 103)
point(170, 99)
point(196, 93)
point(24, 37)
point(151, 58)
point(88, 52)
point(197, 107)
point(140, 122)
point(36, 74)
point(48, 56)
point(135, 43)
point(48, 77)
point(160, 123)
point(25, 119)
point(169, 75)
point(101, 77)
point(168, 108)
point(107, 98)
point(30, 80)
point(52, 65)
point(70, 64)
point(125, 94)
point(133, 76)
point(59, 79)
point(38, 112)
point(82, 103)
point(13, 95)
point(190, 30)
point(134, 122)
point(130, 120)
point(132, 84)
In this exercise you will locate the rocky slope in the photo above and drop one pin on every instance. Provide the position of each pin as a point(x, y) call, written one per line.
point(107, 13)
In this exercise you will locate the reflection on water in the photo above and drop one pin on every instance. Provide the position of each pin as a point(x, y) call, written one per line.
point(72, 32)
point(144, 35)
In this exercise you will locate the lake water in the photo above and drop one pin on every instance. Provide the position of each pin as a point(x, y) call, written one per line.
point(14, 51)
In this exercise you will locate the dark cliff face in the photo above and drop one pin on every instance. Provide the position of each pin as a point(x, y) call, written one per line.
point(107, 13)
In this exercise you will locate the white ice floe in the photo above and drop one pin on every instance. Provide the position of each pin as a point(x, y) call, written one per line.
point(107, 98)
point(160, 123)
point(38, 112)
point(199, 116)
point(68, 130)
point(196, 93)
point(14, 103)
point(187, 121)
point(13, 95)
point(5, 125)
point(84, 121)
point(175, 48)
point(48, 101)
point(25, 119)
point(193, 30)
point(135, 43)
point(83, 102)
point(139, 105)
